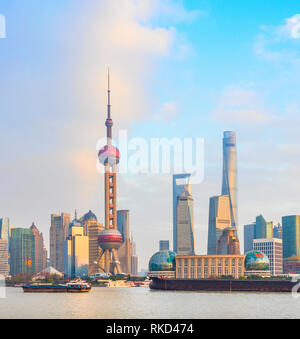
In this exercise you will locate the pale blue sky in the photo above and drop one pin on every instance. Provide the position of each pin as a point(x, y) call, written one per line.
point(179, 69)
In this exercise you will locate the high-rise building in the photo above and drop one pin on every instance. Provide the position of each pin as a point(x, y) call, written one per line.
point(185, 239)
point(277, 231)
point(39, 248)
point(4, 242)
point(219, 220)
point(134, 259)
point(45, 258)
point(22, 252)
point(229, 185)
point(164, 245)
point(272, 248)
point(228, 244)
point(124, 252)
point(58, 234)
point(249, 236)
point(4, 268)
point(4, 229)
point(180, 182)
point(92, 229)
point(110, 240)
point(263, 228)
point(291, 243)
point(76, 251)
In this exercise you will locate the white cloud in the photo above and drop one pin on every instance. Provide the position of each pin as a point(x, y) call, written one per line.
point(168, 112)
point(239, 105)
point(292, 27)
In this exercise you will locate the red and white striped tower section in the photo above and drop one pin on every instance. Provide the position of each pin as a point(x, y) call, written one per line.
point(110, 240)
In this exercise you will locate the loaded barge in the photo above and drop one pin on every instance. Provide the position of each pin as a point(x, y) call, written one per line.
point(71, 287)
point(273, 286)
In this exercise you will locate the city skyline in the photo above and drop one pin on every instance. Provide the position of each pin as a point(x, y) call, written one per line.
point(49, 154)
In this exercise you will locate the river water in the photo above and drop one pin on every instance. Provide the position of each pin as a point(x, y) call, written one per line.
point(131, 303)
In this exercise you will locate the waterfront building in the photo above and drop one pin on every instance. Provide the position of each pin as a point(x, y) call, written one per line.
point(185, 238)
point(110, 240)
point(58, 234)
point(263, 229)
point(92, 229)
point(228, 243)
point(164, 245)
point(229, 184)
point(124, 252)
point(291, 244)
point(277, 231)
point(272, 248)
point(22, 252)
point(219, 220)
point(45, 258)
point(4, 229)
point(249, 236)
point(4, 245)
point(39, 248)
point(162, 264)
point(76, 251)
point(209, 266)
point(4, 268)
point(257, 264)
point(180, 182)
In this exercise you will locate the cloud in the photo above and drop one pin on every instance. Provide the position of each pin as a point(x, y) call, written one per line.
point(277, 43)
point(168, 112)
point(240, 105)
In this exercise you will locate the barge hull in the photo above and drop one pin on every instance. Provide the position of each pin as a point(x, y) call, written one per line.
point(271, 286)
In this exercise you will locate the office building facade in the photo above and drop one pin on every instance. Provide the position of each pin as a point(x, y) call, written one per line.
point(185, 235)
point(4, 268)
point(219, 220)
point(180, 182)
point(272, 248)
point(58, 234)
point(277, 231)
point(291, 244)
point(22, 252)
point(164, 245)
point(76, 252)
point(4, 229)
point(228, 243)
point(39, 248)
point(124, 252)
point(229, 184)
point(263, 228)
point(249, 236)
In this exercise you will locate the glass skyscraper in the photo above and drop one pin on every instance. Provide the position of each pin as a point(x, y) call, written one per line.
point(183, 215)
point(229, 185)
point(249, 236)
point(291, 236)
point(263, 229)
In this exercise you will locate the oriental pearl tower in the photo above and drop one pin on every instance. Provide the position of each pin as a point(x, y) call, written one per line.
point(110, 240)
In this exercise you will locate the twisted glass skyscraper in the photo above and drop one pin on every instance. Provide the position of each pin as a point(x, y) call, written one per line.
point(229, 186)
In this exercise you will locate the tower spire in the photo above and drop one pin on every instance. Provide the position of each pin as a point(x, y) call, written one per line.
point(109, 122)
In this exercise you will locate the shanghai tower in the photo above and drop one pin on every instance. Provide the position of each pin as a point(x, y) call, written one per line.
point(229, 186)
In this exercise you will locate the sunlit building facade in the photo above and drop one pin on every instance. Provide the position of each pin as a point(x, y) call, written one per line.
point(229, 184)
point(180, 182)
point(209, 266)
point(39, 248)
point(4, 268)
point(228, 242)
point(76, 252)
point(58, 234)
point(185, 241)
point(263, 228)
point(249, 236)
point(4, 229)
point(219, 220)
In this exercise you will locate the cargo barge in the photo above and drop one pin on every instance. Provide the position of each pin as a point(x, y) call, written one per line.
point(272, 286)
point(71, 287)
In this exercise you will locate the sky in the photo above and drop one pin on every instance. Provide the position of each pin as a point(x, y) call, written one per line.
point(179, 69)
